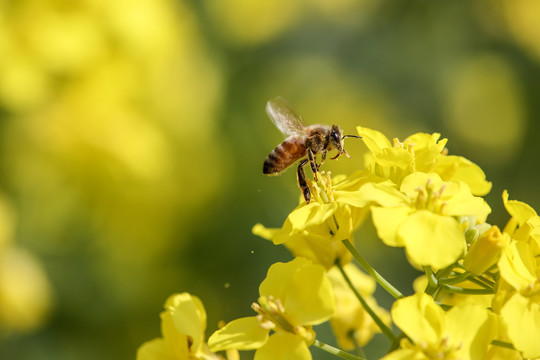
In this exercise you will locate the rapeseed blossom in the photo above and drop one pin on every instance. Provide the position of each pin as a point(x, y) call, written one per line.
point(183, 324)
point(478, 299)
point(419, 152)
point(463, 332)
point(518, 297)
point(422, 216)
point(293, 297)
point(486, 250)
point(315, 230)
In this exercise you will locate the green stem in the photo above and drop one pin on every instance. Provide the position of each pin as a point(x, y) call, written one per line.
point(371, 271)
point(456, 279)
point(385, 329)
point(488, 282)
point(481, 278)
point(444, 273)
point(335, 351)
point(458, 290)
point(503, 344)
point(445, 307)
point(432, 279)
point(397, 342)
point(433, 287)
point(481, 283)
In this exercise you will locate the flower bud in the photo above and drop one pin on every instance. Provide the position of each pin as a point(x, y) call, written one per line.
point(485, 251)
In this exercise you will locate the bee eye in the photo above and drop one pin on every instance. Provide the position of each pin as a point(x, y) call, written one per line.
point(335, 136)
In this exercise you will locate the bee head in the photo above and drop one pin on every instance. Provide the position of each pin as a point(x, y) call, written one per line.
point(336, 139)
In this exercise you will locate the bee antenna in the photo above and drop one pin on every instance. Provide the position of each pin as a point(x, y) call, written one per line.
point(353, 136)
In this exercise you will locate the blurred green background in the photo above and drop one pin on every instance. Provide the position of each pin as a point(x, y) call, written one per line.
point(133, 133)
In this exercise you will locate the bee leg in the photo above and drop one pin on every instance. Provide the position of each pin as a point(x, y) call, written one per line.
point(302, 181)
point(313, 164)
point(323, 158)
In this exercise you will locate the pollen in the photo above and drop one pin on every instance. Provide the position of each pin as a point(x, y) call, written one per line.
point(430, 199)
point(272, 314)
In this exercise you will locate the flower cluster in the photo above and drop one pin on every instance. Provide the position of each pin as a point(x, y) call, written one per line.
point(478, 297)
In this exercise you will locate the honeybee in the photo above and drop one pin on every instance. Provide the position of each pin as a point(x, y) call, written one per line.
point(302, 141)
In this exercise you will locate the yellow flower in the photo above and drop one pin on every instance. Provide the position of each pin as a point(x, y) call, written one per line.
point(183, 324)
point(520, 308)
point(518, 295)
point(420, 152)
point(522, 318)
point(463, 332)
point(524, 224)
point(422, 216)
point(315, 230)
point(352, 325)
point(485, 251)
point(293, 297)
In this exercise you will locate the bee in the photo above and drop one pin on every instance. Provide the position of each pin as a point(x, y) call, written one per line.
point(302, 141)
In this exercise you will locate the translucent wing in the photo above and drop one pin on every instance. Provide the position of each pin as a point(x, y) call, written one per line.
point(286, 120)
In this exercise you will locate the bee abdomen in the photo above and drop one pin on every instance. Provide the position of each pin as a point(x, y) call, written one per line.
point(283, 155)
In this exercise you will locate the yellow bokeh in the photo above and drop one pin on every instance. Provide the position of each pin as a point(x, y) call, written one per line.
point(25, 292)
point(523, 21)
point(251, 22)
point(125, 92)
point(485, 108)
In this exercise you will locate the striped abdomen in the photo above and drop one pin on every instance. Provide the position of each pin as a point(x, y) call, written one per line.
point(286, 153)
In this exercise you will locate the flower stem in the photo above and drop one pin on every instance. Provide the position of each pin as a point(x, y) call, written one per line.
point(433, 287)
point(481, 283)
point(503, 344)
point(335, 351)
point(371, 271)
point(456, 279)
point(458, 290)
point(385, 329)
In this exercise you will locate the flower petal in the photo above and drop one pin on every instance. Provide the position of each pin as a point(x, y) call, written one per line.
point(519, 210)
point(156, 349)
point(458, 168)
point(387, 221)
point(374, 140)
point(419, 317)
point(432, 239)
point(311, 214)
point(189, 317)
point(384, 194)
point(284, 346)
point(176, 341)
point(473, 339)
point(523, 319)
point(517, 265)
point(460, 201)
point(304, 290)
point(412, 182)
point(241, 334)
point(264, 232)
point(390, 157)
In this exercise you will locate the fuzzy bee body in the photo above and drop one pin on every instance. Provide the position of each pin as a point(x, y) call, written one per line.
point(285, 154)
point(303, 141)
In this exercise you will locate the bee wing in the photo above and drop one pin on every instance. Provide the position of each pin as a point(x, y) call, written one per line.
point(285, 119)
